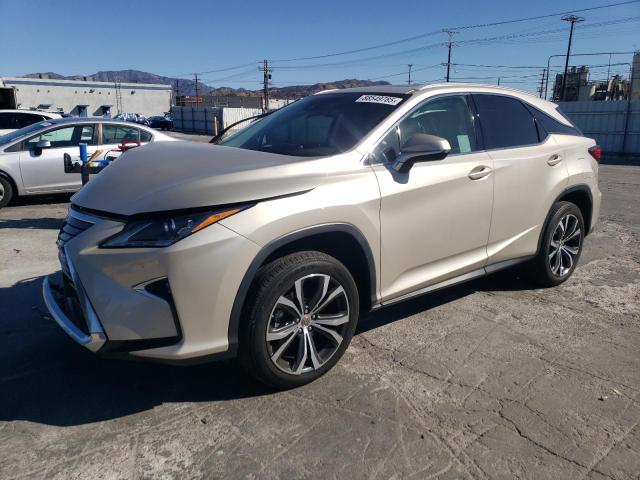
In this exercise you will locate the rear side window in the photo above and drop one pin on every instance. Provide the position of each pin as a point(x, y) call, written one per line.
point(505, 122)
point(26, 119)
point(145, 136)
point(112, 133)
point(551, 125)
point(7, 121)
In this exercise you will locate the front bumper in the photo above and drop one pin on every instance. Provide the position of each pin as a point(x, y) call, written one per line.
point(94, 339)
point(171, 304)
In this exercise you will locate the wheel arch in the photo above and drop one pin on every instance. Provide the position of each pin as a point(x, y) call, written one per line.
point(11, 180)
point(580, 195)
point(337, 239)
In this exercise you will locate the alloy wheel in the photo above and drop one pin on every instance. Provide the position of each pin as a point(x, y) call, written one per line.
point(307, 323)
point(1, 192)
point(565, 245)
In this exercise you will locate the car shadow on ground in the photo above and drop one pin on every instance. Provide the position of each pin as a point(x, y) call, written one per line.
point(33, 223)
point(46, 378)
point(40, 199)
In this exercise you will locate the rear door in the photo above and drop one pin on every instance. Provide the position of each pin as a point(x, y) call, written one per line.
point(529, 173)
point(43, 171)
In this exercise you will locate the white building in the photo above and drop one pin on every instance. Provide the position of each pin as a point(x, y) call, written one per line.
point(84, 97)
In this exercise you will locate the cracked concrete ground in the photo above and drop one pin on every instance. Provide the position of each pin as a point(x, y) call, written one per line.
point(492, 379)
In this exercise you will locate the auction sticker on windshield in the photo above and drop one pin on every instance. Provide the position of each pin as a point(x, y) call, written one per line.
point(379, 99)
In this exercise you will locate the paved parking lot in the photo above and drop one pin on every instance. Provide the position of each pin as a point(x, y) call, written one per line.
point(492, 379)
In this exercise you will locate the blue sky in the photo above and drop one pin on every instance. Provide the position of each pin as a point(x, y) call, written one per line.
point(176, 38)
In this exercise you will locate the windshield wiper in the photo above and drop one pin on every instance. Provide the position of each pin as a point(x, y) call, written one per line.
point(217, 137)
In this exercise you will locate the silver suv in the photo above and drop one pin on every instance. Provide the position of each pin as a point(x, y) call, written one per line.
point(270, 246)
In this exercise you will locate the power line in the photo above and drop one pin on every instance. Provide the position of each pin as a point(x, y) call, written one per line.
point(465, 27)
point(547, 15)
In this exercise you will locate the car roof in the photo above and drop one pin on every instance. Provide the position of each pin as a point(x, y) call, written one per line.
point(35, 112)
point(397, 89)
point(72, 120)
point(417, 89)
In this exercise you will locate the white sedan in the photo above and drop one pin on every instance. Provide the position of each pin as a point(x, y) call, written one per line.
point(32, 158)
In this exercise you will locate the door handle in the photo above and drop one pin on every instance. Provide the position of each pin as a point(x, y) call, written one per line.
point(479, 172)
point(554, 159)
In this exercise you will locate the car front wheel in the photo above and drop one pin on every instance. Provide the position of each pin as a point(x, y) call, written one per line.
point(301, 315)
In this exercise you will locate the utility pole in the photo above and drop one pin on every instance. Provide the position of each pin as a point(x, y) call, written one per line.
point(544, 74)
point(266, 76)
point(498, 81)
point(177, 92)
point(197, 98)
point(449, 44)
point(409, 81)
point(573, 19)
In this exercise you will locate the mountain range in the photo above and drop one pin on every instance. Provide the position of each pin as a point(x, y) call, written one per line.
point(188, 87)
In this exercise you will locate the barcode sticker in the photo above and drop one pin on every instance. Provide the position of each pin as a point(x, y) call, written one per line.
point(379, 99)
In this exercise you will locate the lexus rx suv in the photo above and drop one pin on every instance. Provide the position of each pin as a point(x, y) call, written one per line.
point(269, 246)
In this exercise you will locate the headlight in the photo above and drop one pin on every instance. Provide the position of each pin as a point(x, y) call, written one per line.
point(164, 231)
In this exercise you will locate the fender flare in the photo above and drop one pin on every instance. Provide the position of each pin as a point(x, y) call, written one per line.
point(581, 187)
point(268, 249)
point(11, 180)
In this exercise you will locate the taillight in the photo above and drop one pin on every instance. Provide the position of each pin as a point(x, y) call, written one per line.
point(596, 152)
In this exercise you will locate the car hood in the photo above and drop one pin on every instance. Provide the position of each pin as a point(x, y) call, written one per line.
point(179, 175)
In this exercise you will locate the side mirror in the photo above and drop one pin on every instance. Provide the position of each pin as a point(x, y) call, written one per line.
point(420, 147)
point(41, 145)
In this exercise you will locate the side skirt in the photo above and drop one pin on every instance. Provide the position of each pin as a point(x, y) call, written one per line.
point(480, 272)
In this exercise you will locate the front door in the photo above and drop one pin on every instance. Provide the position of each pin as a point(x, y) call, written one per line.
point(435, 218)
point(43, 169)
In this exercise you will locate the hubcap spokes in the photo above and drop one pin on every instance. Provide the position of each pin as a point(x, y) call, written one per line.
point(307, 324)
point(565, 245)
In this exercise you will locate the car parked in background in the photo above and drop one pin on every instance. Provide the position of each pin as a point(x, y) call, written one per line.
point(269, 246)
point(32, 158)
point(160, 122)
point(11, 120)
point(132, 117)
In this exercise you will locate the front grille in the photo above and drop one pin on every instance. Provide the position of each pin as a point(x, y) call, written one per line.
point(71, 227)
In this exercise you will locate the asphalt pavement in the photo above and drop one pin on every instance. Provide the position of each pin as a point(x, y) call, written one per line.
point(492, 379)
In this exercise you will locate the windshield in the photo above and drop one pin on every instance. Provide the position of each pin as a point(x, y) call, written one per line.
point(10, 137)
point(319, 125)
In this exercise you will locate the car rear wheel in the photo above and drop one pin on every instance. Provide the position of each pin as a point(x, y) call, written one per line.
point(301, 316)
point(6, 192)
point(561, 245)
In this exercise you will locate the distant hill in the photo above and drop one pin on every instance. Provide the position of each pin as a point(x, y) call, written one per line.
point(187, 87)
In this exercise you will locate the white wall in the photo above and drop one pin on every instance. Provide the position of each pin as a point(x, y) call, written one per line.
point(145, 99)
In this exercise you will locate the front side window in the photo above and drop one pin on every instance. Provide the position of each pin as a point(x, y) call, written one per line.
point(505, 122)
point(447, 117)
point(319, 125)
point(63, 137)
point(119, 133)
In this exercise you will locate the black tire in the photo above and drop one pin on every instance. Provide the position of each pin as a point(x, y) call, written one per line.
point(544, 269)
point(6, 192)
point(264, 309)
